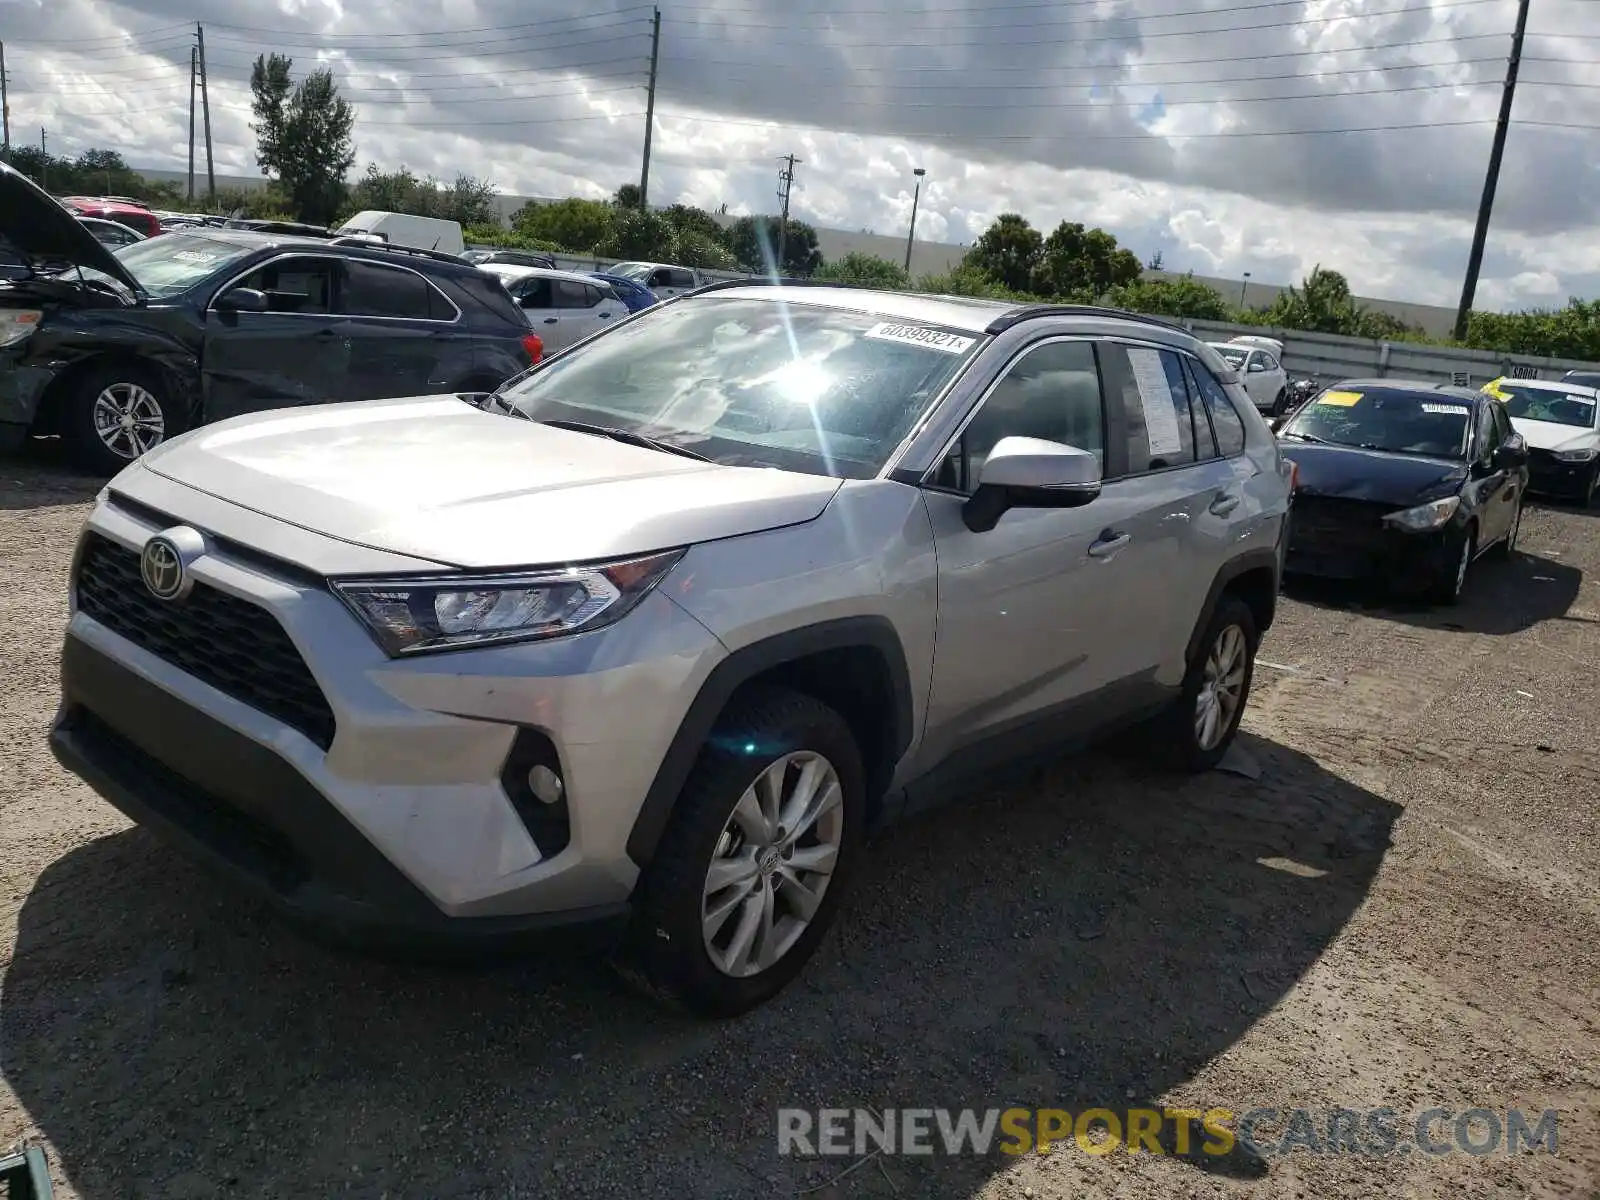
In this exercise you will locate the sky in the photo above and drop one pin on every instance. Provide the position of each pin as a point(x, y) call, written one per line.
point(1265, 136)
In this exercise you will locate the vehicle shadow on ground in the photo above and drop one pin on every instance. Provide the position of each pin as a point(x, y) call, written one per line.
point(41, 475)
point(1091, 937)
point(1501, 597)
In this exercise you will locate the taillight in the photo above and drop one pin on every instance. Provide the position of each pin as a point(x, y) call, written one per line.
point(16, 324)
point(534, 346)
point(1294, 475)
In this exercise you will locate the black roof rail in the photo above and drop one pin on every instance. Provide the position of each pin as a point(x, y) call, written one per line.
point(1029, 312)
point(363, 243)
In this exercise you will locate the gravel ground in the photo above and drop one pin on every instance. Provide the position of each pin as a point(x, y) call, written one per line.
point(1402, 910)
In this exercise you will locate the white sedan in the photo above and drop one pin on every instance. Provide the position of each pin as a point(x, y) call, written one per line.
point(1561, 423)
point(562, 307)
point(1261, 371)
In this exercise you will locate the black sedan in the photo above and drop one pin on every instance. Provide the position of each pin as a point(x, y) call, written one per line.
point(1404, 482)
point(117, 351)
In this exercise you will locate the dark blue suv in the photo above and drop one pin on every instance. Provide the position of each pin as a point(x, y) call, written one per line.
point(118, 351)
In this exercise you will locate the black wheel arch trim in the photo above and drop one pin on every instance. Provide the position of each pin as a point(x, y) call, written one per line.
point(741, 667)
point(1250, 560)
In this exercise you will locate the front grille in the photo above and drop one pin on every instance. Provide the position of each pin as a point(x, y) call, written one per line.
point(1334, 519)
point(233, 645)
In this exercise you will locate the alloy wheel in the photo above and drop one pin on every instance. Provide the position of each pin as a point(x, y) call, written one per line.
point(128, 420)
point(772, 864)
point(1221, 688)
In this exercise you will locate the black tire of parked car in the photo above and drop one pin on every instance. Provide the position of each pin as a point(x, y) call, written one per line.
point(1448, 585)
point(664, 953)
point(1592, 486)
point(78, 413)
point(1281, 404)
point(1179, 740)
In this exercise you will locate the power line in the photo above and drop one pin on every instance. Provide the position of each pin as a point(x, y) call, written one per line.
point(131, 76)
point(544, 41)
point(430, 33)
point(720, 18)
point(1254, 27)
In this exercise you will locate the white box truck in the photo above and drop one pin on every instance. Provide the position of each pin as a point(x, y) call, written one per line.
point(402, 229)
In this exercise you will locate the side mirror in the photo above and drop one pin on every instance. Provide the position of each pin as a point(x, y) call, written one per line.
point(243, 299)
point(1023, 472)
point(1255, 366)
point(1511, 453)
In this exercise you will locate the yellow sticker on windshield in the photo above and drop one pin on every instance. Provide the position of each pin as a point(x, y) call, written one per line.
point(1493, 388)
point(1340, 399)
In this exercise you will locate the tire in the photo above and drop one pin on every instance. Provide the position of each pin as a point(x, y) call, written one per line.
point(141, 392)
point(1594, 483)
point(1448, 586)
point(667, 954)
point(1506, 546)
point(1281, 405)
point(1184, 741)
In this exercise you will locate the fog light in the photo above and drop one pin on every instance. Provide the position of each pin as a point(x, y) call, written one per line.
point(545, 785)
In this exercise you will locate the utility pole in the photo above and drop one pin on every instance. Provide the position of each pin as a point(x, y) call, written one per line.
point(650, 111)
point(194, 72)
point(785, 184)
point(205, 107)
point(44, 162)
point(919, 172)
point(5, 108)
point(1480, 235)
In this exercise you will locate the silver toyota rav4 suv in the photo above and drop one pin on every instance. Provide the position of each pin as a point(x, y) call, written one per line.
point(636, 651)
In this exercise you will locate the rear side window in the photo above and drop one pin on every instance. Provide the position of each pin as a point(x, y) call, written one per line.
point(489, 292)
point(375, 290)
point(1225, 422)
point(1155, 400)
point(572, 294)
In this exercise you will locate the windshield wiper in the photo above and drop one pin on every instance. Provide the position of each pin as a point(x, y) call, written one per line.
point(1309, 437)
point(628, 437)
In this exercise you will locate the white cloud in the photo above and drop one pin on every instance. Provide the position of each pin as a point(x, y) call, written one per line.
point(1101, 111)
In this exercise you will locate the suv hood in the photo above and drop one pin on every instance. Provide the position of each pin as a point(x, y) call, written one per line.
point(434, 478)
point(34, 224)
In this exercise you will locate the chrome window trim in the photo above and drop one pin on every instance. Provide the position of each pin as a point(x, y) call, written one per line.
point(211, 305)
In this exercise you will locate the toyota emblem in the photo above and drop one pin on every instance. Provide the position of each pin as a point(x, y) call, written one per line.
point(164, 564)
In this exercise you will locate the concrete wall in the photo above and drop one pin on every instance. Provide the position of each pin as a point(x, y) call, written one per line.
point(1331, 358)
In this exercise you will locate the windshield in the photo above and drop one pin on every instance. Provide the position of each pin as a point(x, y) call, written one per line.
point(1232, 355)
point(1391, 419)
point(635, 271)
point(175, 262)
point(758, 383)
point(1547, 404)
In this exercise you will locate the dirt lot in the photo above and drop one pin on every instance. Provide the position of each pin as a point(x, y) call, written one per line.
point(1402, 910)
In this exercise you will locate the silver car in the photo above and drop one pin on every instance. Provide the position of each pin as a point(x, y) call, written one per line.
point(633, 653)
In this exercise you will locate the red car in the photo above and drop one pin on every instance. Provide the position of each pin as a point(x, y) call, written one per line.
point(116, 208)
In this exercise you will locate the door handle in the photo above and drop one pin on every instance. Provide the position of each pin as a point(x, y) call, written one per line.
point(326, 335)
point(551, 320)
point(1108, 543)
point(1224, 504)
point(604, 316)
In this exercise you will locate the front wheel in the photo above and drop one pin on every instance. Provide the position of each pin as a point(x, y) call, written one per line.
point(754, 863)
point(1452, 580)
point(1205, 718)
point(118, 412)
point(1281, 404)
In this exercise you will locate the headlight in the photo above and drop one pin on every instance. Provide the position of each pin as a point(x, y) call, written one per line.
point(17, 324)
point(414, 615)
point(1575, 455)
point(1425, 516)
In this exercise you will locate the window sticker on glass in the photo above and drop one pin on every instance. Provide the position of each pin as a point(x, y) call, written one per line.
point(918, 335)
point(1155, 397)
point(1340, 399)
point(1445, 409)
point(195, 256)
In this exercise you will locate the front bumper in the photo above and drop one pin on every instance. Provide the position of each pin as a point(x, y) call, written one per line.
point(394, 819)
point(1357, 551)
point(1550, 477)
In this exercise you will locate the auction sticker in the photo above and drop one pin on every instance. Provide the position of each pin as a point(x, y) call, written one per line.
point(1445, 410)
point(921, 335)
point(1340, 399)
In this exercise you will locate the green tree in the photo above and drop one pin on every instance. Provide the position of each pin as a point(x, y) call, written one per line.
point(688, 219)
point(467, 201)
point(695, 249)
point(505, 239)
point(627, 196)
point(1183, 296)
point(754, 242)
point(1570, 332)
point(1007, 252)
point(302, 135)
point(92, 173)
point(575, 225)
point(1080, 263)
point(865, 270)
point(638, 233)
point(968, 280)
